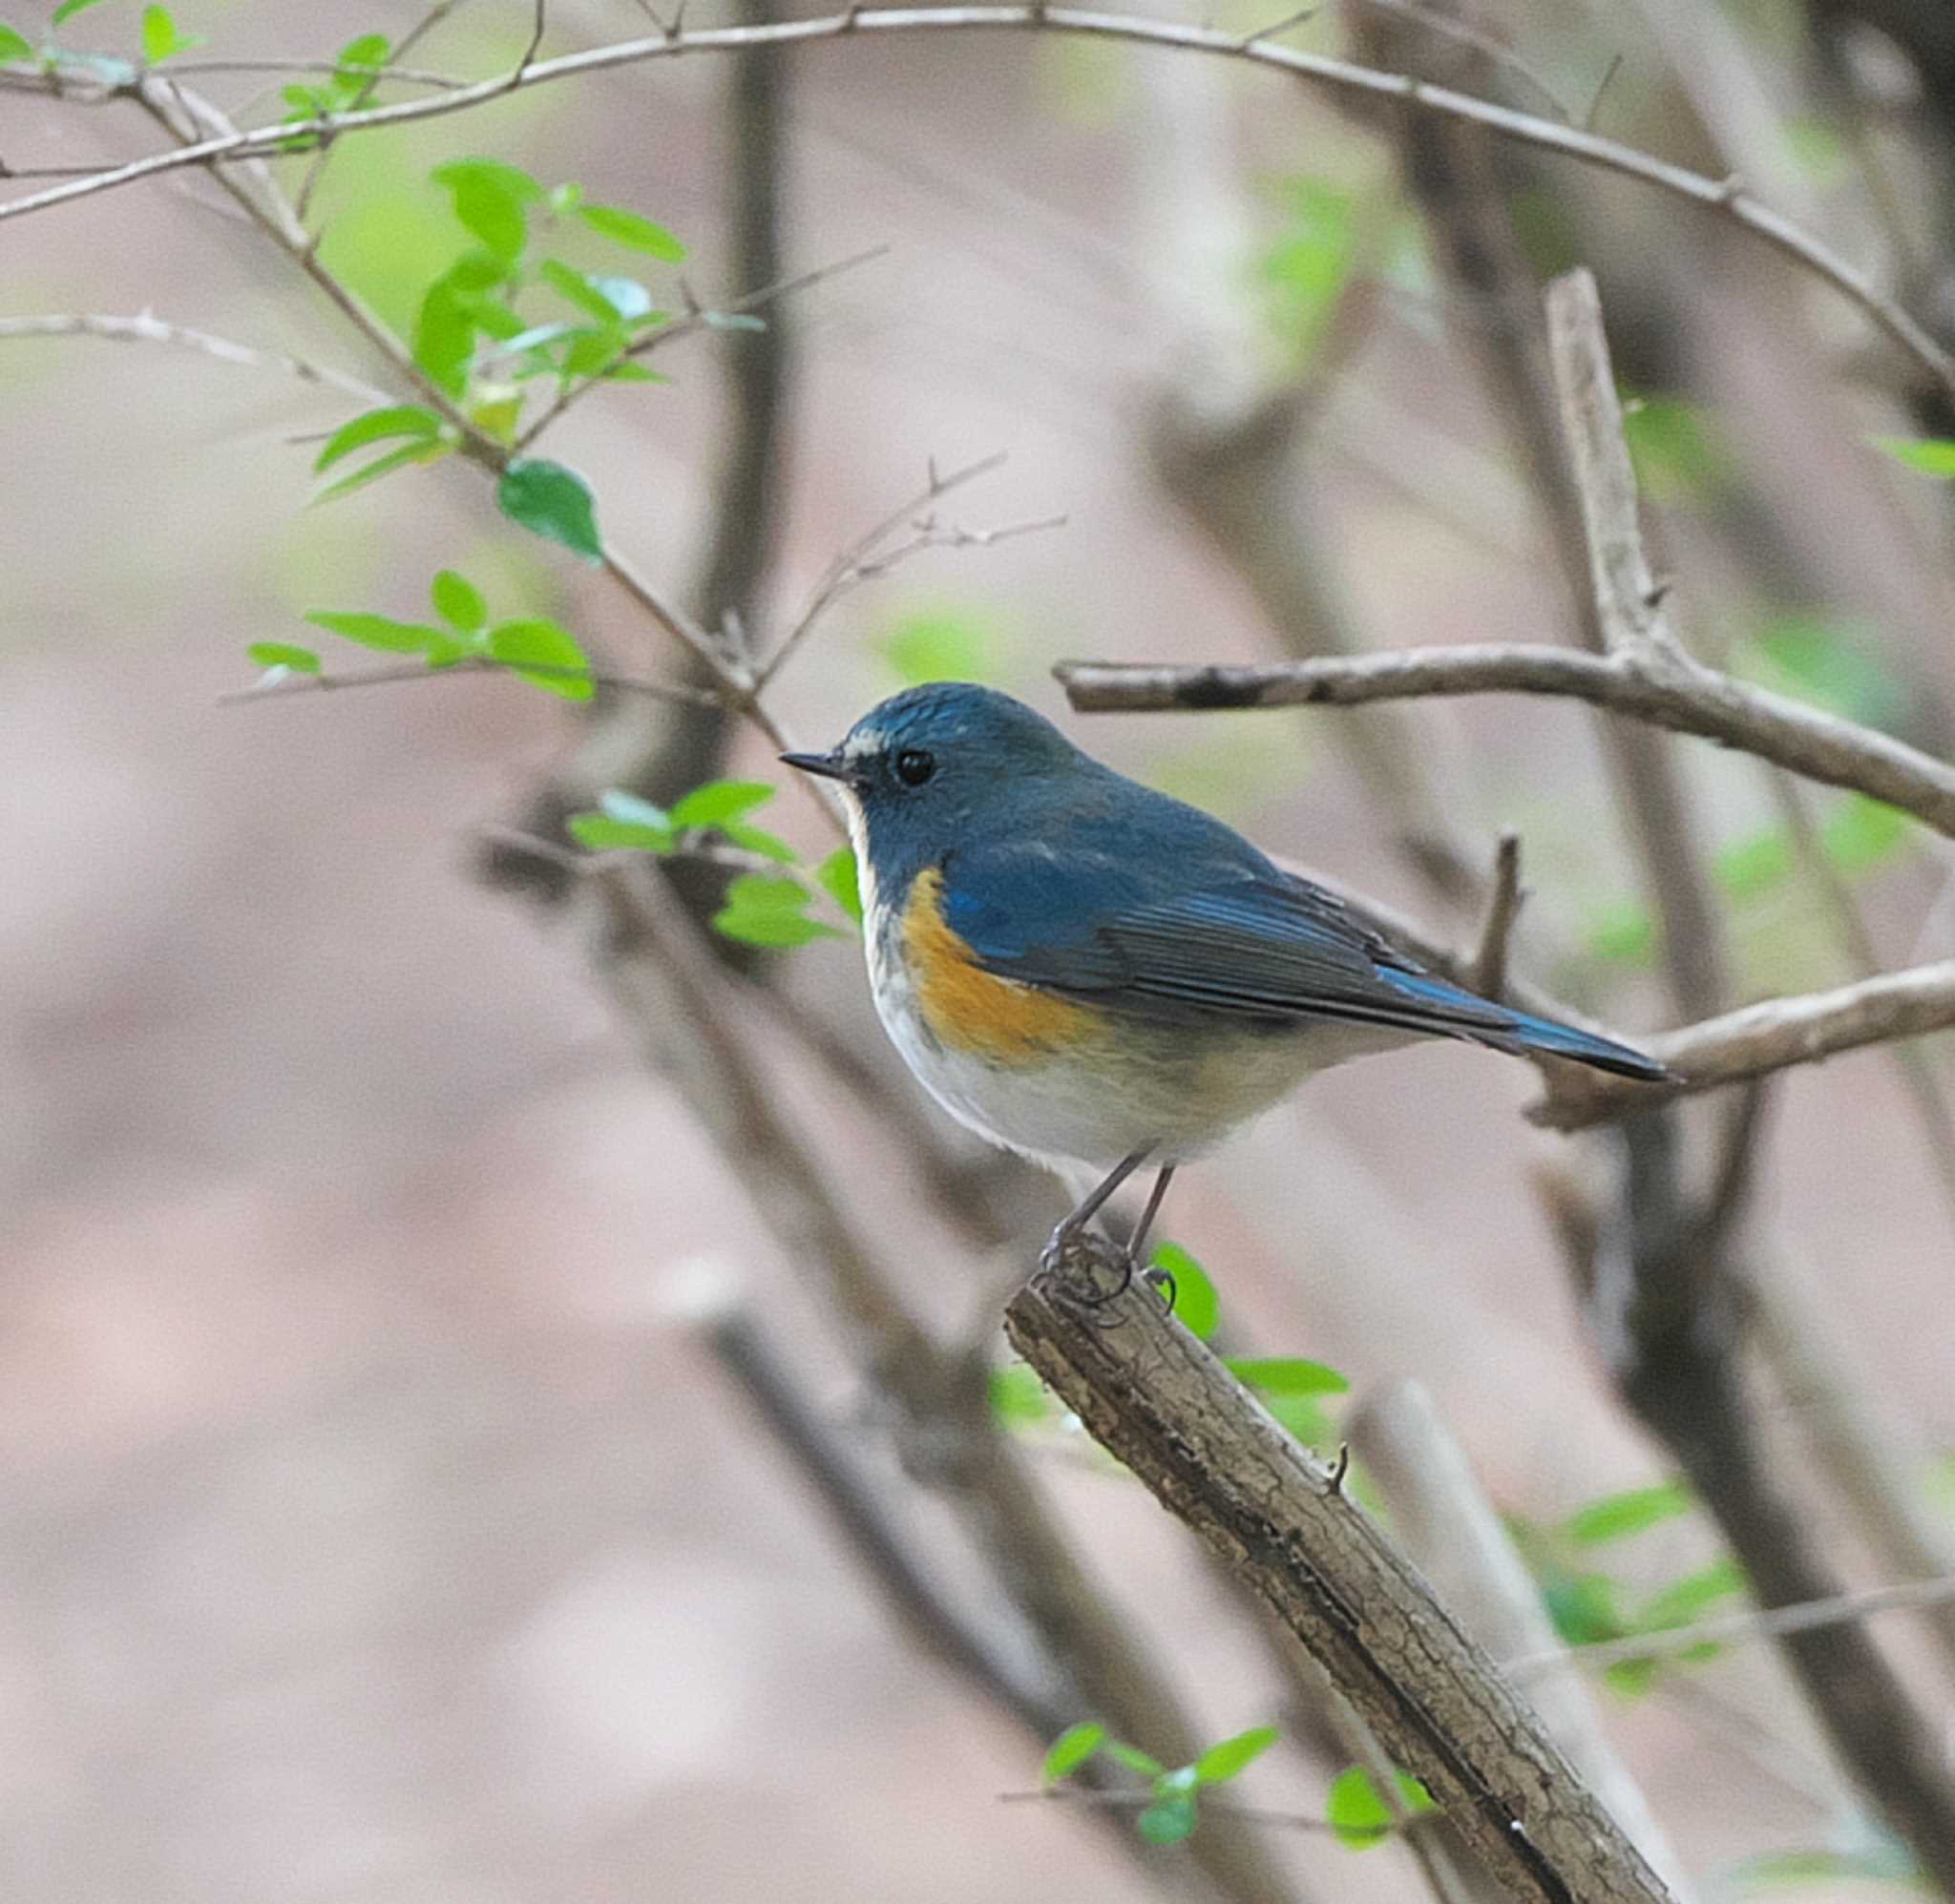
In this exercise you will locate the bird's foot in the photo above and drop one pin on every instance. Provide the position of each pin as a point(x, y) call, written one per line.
point(1083, 1268)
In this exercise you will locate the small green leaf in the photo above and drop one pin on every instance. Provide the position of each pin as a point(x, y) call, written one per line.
point(1751, 867)
point(68, 10)
point(601, 833)
point(421, 452)
point(1862, 832)
point(1018, 1398)
point(376, 426)
point(1582, 1607)
point(1226, 1759)
point(1932, 456)
point(15, 45)
point(160, 35)
point(487, 205)
point(836, 876)
point(377, 631)
point(764, 912)
point(629, 228)
point(1071, 1750)
point(282, 655)
point(589, 294)
point(552, 502)
point(1289, 1376)
point(1692, 1597)
point(557, 664)
point(940, 644)
point(1134, 1759)
point(1357, 1813)
point(1616, 1516)
point(592, 352)
point(719, 801)
point(1623, 932)
point(1195, 1300)
point(758, 840)
point(365, 49)
point(1675, 447)
point(445, 335)
point(1168, 1821)
point(458, 602)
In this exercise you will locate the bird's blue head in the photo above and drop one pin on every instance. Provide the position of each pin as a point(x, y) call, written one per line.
point(922, 767)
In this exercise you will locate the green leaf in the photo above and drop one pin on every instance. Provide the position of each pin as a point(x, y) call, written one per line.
point(593, 352)
point(941, 644)
point(1289, 1376)
point(282, 655)
point(376, 426)
point(1195, 1300)
point(1018, 1398)
point(1582, 1607)
point(764, 912)
point(1615, 1516)
point(552, 502)
point(377, 631)
point(487, 205)
point(458, 601)
point(624, 227)
point(1307, 271)
point(445, 335)
point(1675, 450)
point(1862, 832)
point(68, 10)
point(836, 876)
point(757, 839)
point(1168, 1821)
point(365, 50)
point(1134, 1759)
point(1692, 1597)
point(422, 452)
point(719, 801)
point(15, 45)
point(1358, 1814)
point(1623, 932)
point(1226, 1759)
point(557, 664)
point(1071, 1750)
point(160, 38)
point(601, 833)
point(588, 294)
point(1827, 660)
point(1749, 867)
point(1932, 456)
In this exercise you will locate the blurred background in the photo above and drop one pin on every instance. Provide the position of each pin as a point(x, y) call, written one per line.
point(381, 1520)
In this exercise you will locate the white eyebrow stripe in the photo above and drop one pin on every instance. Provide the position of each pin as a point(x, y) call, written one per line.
point(864, 741)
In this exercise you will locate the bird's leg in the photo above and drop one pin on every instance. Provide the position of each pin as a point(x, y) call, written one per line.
point(1052, 1258)
point(1136, 1245)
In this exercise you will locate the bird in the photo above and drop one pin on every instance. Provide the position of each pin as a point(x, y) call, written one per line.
point(1093, 973)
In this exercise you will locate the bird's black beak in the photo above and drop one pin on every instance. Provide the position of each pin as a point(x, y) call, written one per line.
point(830, 766)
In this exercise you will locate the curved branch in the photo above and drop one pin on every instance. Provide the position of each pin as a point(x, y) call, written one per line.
point(1725, 197)
point(1679, 695)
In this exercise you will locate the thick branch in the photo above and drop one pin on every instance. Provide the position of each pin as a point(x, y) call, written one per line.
point(1162, 1404)
point(1724, 196)
point(1687, 700)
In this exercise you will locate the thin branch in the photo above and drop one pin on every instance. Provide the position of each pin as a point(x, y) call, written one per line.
point(1503, 908)
point(411, 76)
point(286, 686)
point(694, 321)
point(1722, 1630)
point(144, 328)
point(1689, 699)
point(1725, 196)
point(1758, 1039)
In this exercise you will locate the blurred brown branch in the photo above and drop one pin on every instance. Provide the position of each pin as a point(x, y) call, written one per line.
point(1725, 196)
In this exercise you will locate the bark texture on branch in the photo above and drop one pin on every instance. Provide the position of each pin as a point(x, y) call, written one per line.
point(1159, 1401)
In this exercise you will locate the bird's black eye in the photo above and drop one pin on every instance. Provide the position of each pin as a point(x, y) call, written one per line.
point(913, 767)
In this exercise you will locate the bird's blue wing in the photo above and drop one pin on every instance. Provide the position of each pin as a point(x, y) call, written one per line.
point(1208, 928)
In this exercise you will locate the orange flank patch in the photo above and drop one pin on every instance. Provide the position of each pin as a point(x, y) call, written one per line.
point(970, 1010)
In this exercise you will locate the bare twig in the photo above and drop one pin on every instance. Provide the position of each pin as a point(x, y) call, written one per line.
point(1161, 1403)
point(1503, 908)
point(1723, 197)
point(1767, 1037)
point(145, 328)
point(413, 75)
point(1692, 699)
point(289, 684)
point(1724, 1628)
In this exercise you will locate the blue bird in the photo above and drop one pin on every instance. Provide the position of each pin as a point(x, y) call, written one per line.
point(1087, 972)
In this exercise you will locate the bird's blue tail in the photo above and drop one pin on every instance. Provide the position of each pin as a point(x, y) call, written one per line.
point(1465, 1014)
